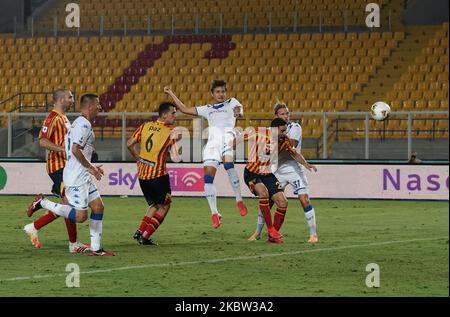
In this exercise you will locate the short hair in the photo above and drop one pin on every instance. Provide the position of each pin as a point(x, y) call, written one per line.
point(218, 83)
point(277, 122)
point(164, 108)
point(87, 98)
point(59, 93)
point(279, 105)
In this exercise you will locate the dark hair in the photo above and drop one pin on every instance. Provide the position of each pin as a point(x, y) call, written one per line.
point(277, 122)
point(164, 108)
point(279, 105)
point(218, 83)
point(86, 98)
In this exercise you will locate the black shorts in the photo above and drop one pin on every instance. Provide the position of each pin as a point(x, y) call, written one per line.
point(157, 190)
point(58, 185)
point(270, 181)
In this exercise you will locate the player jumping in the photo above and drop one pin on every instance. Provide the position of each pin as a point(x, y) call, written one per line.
point(51, 137)
point(81, 190)
point(155, 140)
point(290, 172)
point(221, 118)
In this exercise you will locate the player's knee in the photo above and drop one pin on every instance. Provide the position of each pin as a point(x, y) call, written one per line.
point(283, 203)
point(98, 208)
point(263, 193)
point(81, 216)
point(304, 200)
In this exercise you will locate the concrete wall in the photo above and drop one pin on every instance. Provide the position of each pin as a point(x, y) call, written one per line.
point(8, 10)
point(426, 12)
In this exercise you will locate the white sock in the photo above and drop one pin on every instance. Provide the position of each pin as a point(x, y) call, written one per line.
point(210, 194)
point(260, 224)
point(59, 209)
point(311, 220)
point(95, 228)
point(234, 181)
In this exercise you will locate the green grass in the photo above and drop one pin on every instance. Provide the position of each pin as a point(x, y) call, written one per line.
point(351, 234)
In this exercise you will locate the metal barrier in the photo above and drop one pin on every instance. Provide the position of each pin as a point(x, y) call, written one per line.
point(332, 127)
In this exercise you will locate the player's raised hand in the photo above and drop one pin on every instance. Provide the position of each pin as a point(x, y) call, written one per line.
point(167, 90)
point(237, 111)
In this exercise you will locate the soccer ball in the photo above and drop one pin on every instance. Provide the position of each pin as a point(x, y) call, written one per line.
point(380, 111)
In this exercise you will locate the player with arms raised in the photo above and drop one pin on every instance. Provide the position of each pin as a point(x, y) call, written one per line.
point(221, 118)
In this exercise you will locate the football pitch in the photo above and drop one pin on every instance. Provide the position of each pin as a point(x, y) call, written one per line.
point(408, 240)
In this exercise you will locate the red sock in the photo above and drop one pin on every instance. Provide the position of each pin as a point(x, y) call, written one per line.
point(71, 230)
point(144, 223)
point(265, 209)
point(154, 223)
point(279, 217)
point(45, 220)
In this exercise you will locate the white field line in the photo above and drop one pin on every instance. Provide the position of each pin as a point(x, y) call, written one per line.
point(239, 258)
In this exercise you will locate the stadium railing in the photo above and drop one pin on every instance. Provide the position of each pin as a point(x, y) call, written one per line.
point(20, 131)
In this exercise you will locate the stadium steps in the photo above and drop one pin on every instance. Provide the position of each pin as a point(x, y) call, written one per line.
point(221, 46)
point(386, 76)
point(390, 72)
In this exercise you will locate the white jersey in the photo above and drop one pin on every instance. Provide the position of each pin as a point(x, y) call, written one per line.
point(286, 163)
point(220, 117)
point(80, 133)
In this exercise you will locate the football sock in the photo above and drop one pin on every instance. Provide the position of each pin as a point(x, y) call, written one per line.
point(154, 223)
point(264, 207)
point(260, 224)
point(95, 229)
point(61, 210)
point(144, 223)
point(310, 216)
point(279, 217)
point(210, 193)
point(45, 220)
point(234, 180)
point(71, 230)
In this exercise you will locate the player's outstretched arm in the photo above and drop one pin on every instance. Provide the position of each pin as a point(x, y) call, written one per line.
point(94, 170)
point(49, 145)
point(299, 158)
point(180, 105)
point(131, 145)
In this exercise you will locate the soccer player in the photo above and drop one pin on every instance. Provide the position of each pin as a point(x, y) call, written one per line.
point(290, 172)
point(81, 190)
point(259, 177)
point(155, 142)
point(51, 137)
point(221, 118)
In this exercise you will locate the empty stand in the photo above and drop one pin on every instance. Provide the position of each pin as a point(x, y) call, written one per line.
point(187, 14)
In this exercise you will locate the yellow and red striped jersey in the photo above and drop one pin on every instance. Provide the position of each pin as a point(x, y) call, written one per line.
point(261, 152)
point(155, 140)
point(54, 129)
